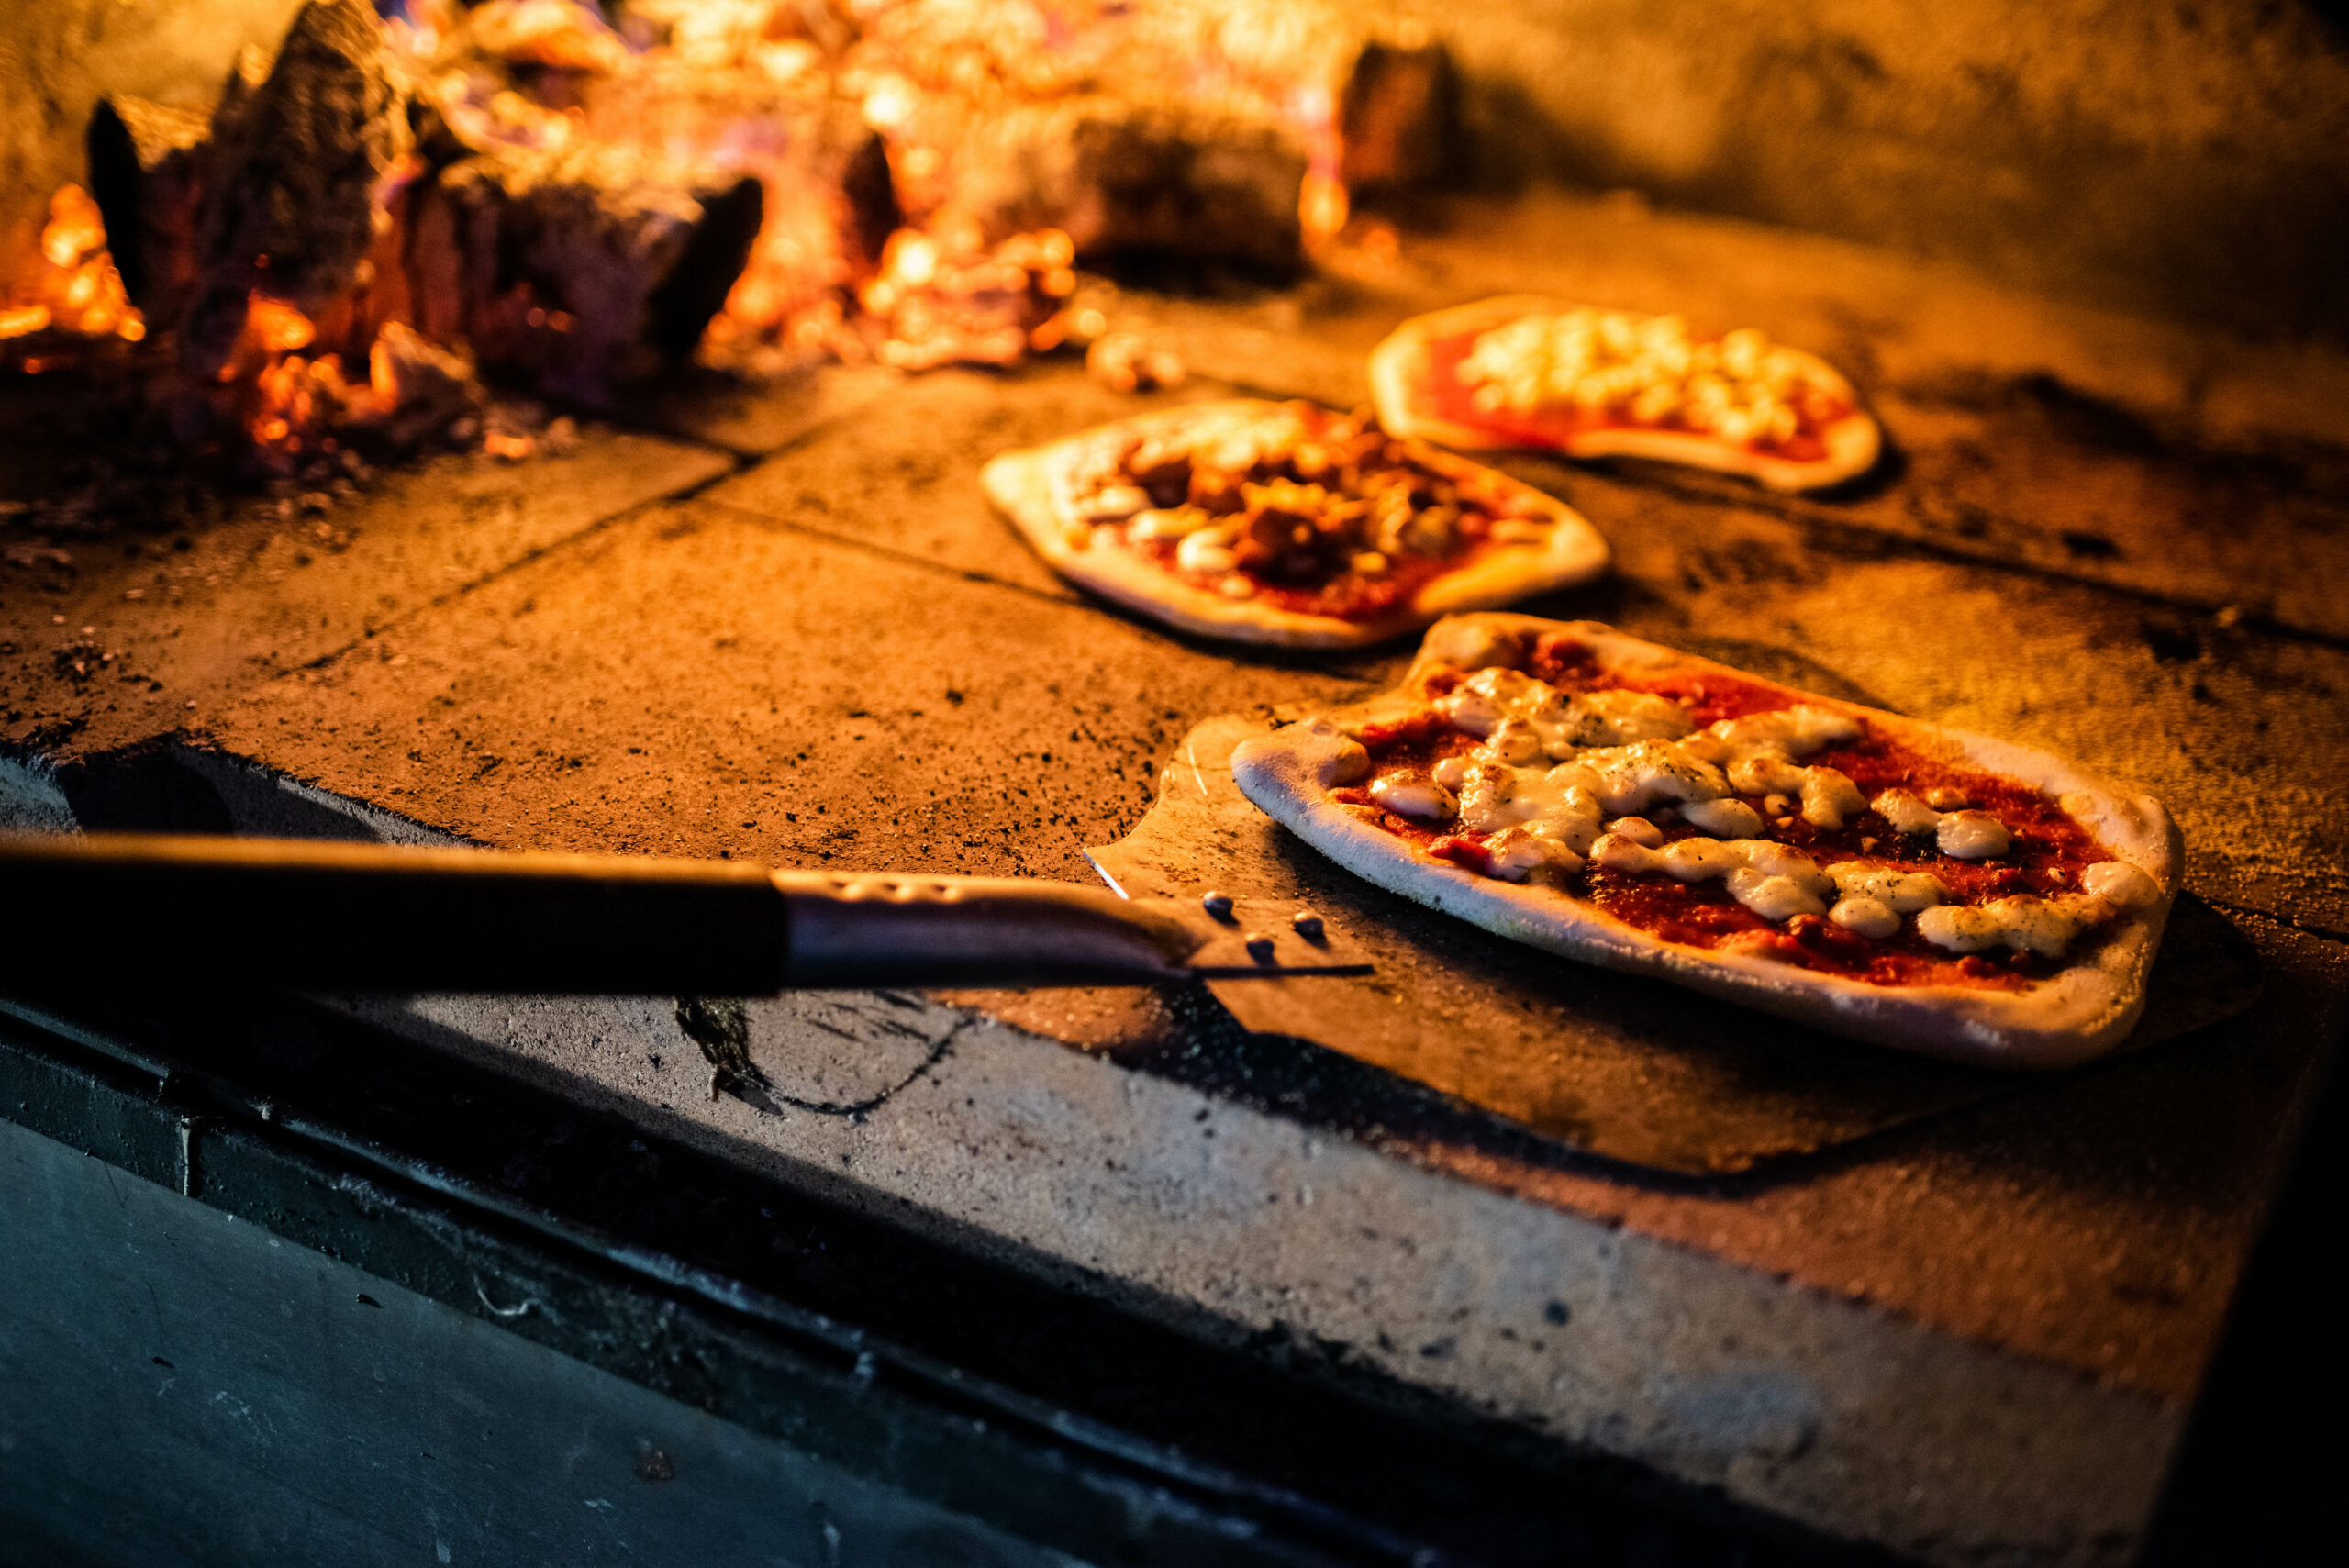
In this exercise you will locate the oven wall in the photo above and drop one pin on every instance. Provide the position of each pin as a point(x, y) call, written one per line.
point(2178, 159)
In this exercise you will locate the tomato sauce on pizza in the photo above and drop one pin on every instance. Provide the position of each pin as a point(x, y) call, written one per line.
point(1831, 861)
point(1310, 511)
point(1555, 422)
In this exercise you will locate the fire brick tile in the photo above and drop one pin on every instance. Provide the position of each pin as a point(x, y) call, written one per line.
point(690, 682)
point(107, 641)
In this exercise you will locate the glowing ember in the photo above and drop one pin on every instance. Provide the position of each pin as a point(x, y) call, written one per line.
point(1322, 208)
point(77, 296)
point(946, 297)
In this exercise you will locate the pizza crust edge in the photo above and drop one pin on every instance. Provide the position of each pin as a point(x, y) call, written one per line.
point(2076, 1015)
point(1020, 484)
point(1853, 442)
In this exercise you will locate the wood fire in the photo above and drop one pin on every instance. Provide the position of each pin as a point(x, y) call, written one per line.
point(567, 204)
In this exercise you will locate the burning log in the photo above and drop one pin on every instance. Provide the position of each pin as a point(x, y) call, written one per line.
point(722, 94)
point(145, 175)
point(1396, 111)
point(1212, 128)
point(577, 267)
point(330, 189)
point(290, 188)
point(1126, 175)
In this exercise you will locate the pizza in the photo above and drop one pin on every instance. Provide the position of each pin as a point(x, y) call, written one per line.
point(1643, 810)
point(1523, 372)
point(1287, 523)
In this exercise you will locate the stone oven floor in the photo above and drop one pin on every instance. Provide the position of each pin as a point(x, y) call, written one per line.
point(782, 626)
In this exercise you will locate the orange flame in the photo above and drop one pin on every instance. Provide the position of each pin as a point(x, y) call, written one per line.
point(1322, 208)
point(291, 401)
point(79, 294)
point(944, 297)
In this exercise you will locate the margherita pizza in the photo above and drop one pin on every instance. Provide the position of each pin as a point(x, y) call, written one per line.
point(1288, 523)
point(1600, 797)
point(1530, 373)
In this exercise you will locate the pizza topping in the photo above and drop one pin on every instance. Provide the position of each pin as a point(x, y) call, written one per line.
point(1638, 831)
point(1321, 513)
point(1525, 854)
point(1160, 523)
point(1722, 818)
point(1971, 835)
point(1867, 916)
point(1616, 367)
point(2024, 922)
point(1491, 699)
point(1963, 835)
point(1206, 551)
point(1906, 812)
point(1494, 796)
point(1628, 780)
point(1772, 879)
point(1871, 899)
point(1415, 797)
point(1601, 783)
point(1902, 892)
point(1114, 504)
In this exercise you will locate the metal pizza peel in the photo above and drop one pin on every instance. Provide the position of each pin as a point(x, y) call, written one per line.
point(1466, 1036)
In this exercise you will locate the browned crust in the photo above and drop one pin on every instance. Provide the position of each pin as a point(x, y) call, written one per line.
point(2069, 1018)
point(1021, 484)
point(1397, 364)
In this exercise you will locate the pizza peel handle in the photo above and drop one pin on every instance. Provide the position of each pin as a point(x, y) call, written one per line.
point(136, 909)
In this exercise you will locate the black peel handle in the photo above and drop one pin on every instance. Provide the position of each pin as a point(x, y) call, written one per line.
point(131, 911)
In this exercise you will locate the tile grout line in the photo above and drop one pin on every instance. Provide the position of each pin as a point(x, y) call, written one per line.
point(886, 552)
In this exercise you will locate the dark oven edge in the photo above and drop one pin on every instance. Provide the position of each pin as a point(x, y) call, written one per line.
point(891, 1355)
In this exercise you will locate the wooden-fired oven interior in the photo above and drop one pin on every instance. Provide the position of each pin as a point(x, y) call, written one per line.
point(769, 616)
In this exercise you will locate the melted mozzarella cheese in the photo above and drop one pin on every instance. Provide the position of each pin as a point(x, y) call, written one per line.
point(1866, 917)
point(1722, 818)
point(2022, 921)
point(1494, 796)
point(1829, 797)
point(1646, 368)
point(1408, 794)
point(1904, 892)
point(1628, 780)
point(1906, 812)
point(1208, 550)
point(1519, 854)
point(1619, 718)
point(1774, 898)
point(1971, 835)
point(1871, 899)
point(1961, 835)
point(1795, 731)
point(1509, 707)
point(1774, 880)
point(1758, 752)
point(1771, 772)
